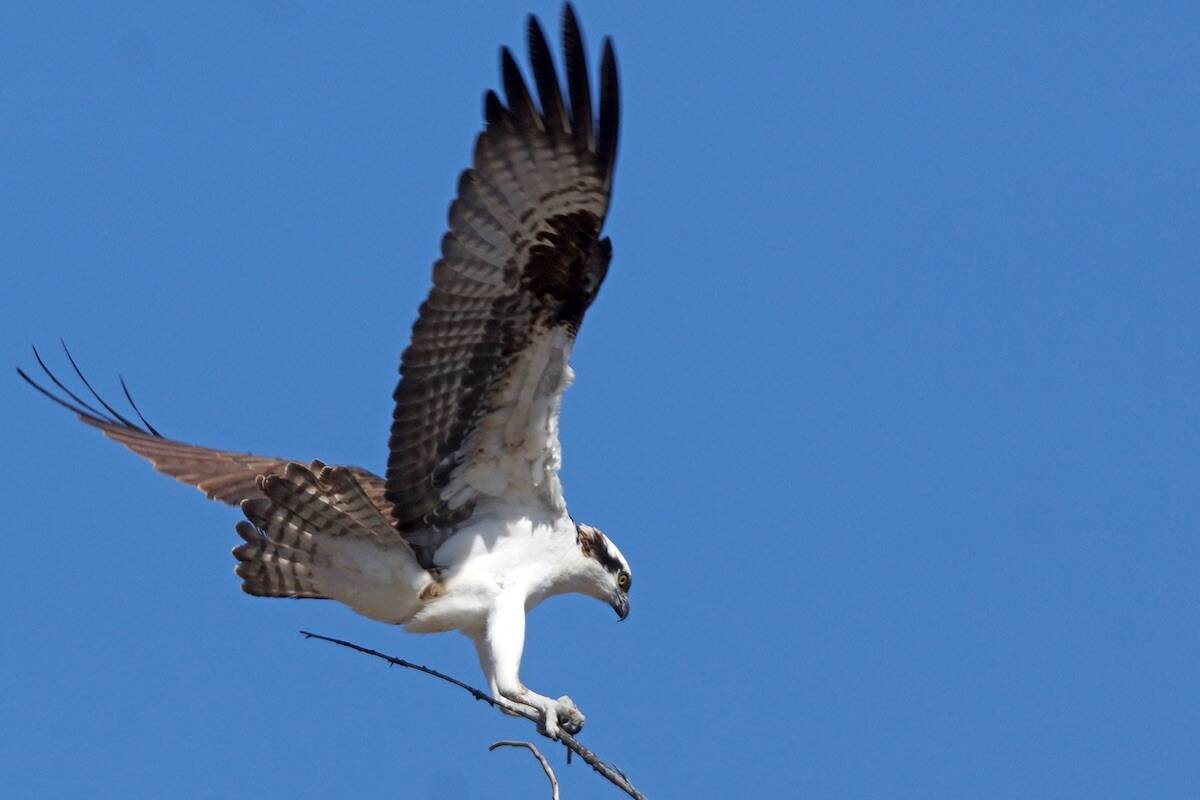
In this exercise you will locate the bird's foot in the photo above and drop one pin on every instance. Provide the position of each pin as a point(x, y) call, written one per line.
point(554, 715)
point(569, 717)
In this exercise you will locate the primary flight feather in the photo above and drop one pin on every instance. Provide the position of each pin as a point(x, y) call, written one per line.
point(469, 529)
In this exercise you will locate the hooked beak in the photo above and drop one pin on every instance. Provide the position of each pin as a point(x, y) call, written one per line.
point(620, 604)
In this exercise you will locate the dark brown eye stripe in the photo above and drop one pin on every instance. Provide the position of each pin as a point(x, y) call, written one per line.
point(593, 546)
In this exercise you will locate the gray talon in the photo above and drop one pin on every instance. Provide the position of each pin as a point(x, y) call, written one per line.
point(570, 718)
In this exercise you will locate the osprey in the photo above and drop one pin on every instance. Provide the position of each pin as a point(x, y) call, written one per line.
point(468, 530)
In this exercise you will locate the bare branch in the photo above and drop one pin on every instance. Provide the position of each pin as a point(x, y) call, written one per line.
point(610, 773)
point(541, 760)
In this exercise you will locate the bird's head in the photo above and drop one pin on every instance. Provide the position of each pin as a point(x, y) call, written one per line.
point(607, 576)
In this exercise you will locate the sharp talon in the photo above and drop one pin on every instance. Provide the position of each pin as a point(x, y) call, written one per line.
point(570, 718)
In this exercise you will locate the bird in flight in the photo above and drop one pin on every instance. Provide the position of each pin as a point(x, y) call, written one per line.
point(468, 530)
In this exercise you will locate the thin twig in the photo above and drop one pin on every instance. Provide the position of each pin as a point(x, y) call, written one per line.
point(541, 760)
point(613, 775)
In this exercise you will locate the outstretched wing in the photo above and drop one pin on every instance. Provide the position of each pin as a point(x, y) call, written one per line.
point(477, 403)
point(222, 475)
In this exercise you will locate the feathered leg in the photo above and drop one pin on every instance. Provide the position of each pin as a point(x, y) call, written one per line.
point(500, 646)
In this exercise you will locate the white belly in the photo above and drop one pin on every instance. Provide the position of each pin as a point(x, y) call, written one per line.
point(496, 554)
point(380, 583)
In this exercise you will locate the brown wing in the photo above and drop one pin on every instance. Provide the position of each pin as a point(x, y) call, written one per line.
point(222, 475)
point(523, 259)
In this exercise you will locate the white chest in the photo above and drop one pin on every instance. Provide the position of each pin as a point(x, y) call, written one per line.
point(498, 555)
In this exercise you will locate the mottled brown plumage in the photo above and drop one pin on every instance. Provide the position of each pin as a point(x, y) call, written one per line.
point(523, 257)
point(298, 508)
point(520, 265)
point(223, 475)
point(470, 529)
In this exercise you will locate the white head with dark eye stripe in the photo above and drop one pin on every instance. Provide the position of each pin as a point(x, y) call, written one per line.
point(608, 575)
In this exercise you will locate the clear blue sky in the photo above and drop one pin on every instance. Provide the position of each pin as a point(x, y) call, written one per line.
point(892, 396)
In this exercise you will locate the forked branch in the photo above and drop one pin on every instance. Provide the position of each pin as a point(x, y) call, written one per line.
point(612, 774)
point(541, 760)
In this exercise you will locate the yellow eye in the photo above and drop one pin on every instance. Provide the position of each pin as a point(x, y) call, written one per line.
point(623, 580)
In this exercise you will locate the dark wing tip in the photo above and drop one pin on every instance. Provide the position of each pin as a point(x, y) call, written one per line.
point(134, 406)
point(494, 111)
point(577, 78)
point(551, 114)
point(546, 78)
point(95, 394)
point(610, 109)
point(520, 104)
point(87, 412)
point(569, 17)
point(52, 396)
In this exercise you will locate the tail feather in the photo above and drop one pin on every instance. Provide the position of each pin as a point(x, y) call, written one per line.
point(350, 496)
point(281, 525)
point(268, 569)
point(299, 510)
point(298, 491)
point(329, 501)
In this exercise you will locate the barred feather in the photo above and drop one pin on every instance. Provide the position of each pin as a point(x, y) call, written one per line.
point(521, 263)
point(270, 569)
point(299, 511)
point(222, 475)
